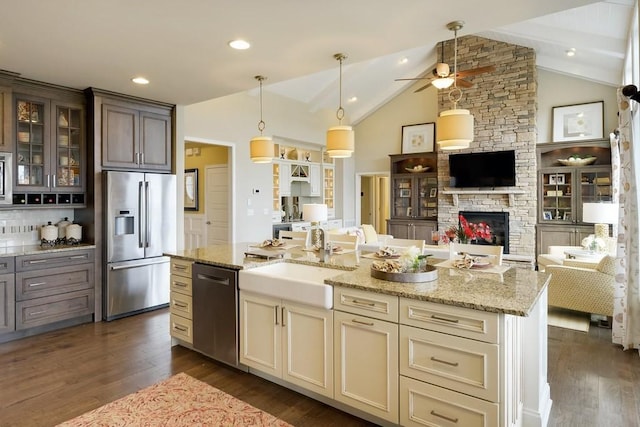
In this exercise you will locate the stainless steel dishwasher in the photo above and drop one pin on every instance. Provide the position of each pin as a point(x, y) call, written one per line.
point(215, 313)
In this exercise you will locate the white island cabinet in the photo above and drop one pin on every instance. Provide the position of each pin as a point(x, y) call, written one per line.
point(287, 340)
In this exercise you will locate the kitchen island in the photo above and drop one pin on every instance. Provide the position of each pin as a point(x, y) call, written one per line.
point(469, 348)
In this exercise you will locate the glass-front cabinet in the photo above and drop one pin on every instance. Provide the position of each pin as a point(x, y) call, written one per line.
point(49, 158)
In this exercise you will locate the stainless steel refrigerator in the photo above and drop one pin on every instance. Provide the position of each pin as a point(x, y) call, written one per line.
point(140, 224)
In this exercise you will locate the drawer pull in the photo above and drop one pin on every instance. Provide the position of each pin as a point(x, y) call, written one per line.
point(369, 304)
point(180, 328)
point(180, 267)
point(38, 261)
point(35, 313)
point(183, 285)
point(444, 417)
point(444, 319)
point(85, 256)
point(360, 322)
point(179, 304)
point(37, 284)
point(435, 359)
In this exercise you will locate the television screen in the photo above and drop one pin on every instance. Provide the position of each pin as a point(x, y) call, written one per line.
point(489, 169)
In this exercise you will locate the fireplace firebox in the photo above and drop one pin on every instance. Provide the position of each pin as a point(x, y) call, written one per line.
point(499, 223)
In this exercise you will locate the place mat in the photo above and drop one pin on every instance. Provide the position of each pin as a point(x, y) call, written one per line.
point(493, 269)
point(264, 254)
point(339, 251)
point(179, 401)
point(373, 255)
point(272, 248)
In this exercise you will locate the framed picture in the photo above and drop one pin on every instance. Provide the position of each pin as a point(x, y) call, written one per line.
point(433, 192)
point(556, 179)
point(191, 189)
point(567, 216)
point(405, 192)
point(580, 122)
point(547, 215)
point(418, 138)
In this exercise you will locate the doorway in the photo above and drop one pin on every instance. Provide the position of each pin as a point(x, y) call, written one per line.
point(372, 203)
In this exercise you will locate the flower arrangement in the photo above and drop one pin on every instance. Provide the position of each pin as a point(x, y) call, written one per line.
point(467, 231)
point(595, 244)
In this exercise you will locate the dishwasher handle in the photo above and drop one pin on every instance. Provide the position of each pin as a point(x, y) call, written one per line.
point(214, 280)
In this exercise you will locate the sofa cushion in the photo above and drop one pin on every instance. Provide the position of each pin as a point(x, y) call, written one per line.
point(370, 235)
point(607, 265)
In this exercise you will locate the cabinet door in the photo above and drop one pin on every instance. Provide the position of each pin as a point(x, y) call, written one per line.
point(399, 229)
point(285, 179)
point(315, 181)
point(6, 139)
point(422, 230)
point(594, 186)
point(307, 347)
point(155, 141)
point(557, 195)
point(120, 136)
point(328, 189)
point(366, 364)
point(402, 196)
point(7, 303)
point(33, 169)
point(260, 333)
point(427, 199)
point(68, 148)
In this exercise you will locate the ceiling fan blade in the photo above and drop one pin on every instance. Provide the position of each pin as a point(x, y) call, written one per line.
point(475, 71)
point(463, 83)
point(422, 88)
point(414, 78)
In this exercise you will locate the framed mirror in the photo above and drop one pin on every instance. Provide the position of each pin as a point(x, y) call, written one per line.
point(191, 189)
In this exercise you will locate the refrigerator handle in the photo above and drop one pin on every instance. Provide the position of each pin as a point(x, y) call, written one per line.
point(140, 213)
point(146, 213)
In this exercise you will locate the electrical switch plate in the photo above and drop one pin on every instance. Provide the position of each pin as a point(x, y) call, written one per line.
point(250, 212)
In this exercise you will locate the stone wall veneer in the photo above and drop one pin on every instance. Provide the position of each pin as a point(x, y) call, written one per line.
point(504, 105)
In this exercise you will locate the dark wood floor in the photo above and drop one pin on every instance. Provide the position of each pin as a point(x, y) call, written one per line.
point(53, 377)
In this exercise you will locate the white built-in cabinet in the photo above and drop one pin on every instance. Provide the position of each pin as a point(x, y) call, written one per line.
point(315, 180)
point(285, 180)
point(288, 340)
point(366, 358)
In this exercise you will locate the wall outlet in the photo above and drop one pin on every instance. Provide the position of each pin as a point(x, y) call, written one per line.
point(256, 191)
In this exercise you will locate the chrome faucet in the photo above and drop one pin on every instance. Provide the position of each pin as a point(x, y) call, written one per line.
point(325, 250)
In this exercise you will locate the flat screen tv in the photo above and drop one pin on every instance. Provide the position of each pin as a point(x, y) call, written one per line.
point(487, 169)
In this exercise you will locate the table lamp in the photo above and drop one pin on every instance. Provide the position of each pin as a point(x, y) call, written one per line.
point(600, 214)
point(314, 213)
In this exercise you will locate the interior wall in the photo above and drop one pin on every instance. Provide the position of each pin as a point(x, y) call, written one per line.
point(207, 155)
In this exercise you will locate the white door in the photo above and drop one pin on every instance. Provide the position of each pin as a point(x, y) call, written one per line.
point(216, 198)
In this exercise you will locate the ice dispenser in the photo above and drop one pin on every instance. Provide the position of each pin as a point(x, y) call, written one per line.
point(124, 223)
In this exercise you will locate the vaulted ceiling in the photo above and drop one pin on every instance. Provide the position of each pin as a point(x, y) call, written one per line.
point(181, 47)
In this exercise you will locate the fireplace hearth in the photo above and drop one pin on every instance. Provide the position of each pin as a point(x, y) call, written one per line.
point(499, 223)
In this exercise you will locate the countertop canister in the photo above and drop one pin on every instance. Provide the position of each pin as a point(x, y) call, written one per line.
point(74, 233)
point(62, 228)
point(49, 233)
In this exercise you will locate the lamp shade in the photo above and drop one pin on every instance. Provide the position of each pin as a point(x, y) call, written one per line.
point(600, 213)
point(442, 82)
point(314, 212)
point(454, 129)
point(340, 141)
point(261, 149)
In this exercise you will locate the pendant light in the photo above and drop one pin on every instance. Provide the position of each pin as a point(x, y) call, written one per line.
point(454, 128)
point(261, 146)
point(340, 139)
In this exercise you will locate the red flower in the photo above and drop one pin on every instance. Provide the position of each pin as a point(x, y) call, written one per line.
point(466, 231)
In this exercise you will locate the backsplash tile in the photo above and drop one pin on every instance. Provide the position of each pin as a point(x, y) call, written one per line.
point(22, 227)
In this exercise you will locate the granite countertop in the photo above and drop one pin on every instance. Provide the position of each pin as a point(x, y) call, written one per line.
point(38, 249)
point(515, 291)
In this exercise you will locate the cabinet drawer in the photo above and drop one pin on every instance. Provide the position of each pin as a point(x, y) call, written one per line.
point(181, 267)
point(181, 285)
point(7, 264)
point(36, 284)
point(371, 304)
point(53, 259)
point(423, 404)
point(463, 322)
point(181, 328)
point(181, 305)
point(41, 311)
point(459, 364)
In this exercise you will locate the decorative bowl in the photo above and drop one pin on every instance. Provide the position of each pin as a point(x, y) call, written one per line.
point(430, 273)
point(418, 169)
point(577, 161)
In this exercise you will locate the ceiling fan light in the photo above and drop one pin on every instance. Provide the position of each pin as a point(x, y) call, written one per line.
point(442, 82)
point(340, 141)
point(261, 148)
point(454, 129)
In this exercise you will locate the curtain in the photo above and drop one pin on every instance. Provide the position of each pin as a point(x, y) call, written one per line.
point(626, 316)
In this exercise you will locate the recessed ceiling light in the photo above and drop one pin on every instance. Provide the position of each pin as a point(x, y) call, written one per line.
point(140, 80)
point(352, 99)
point(239, 44)
point(403, 60)
point(571, 52)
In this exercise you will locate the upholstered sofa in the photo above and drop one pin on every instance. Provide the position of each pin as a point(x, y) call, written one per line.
point(368, 239)
point(583, 289)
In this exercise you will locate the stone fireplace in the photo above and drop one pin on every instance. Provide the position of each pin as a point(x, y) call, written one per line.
point(497, 221)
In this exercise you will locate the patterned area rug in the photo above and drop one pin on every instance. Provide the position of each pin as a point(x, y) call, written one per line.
point(568, 319)
point(178, 401)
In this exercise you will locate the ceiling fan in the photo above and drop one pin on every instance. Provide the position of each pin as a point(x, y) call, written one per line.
point(442, 77)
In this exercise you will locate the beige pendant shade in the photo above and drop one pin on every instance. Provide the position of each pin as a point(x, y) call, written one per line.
point(261, 149)
point(454, 129)
point(340, 141)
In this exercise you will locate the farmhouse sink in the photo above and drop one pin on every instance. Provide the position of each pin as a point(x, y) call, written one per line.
point(293, 282)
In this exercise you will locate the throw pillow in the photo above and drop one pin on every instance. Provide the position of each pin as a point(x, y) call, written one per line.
point(607, 265)
point(370, 235)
